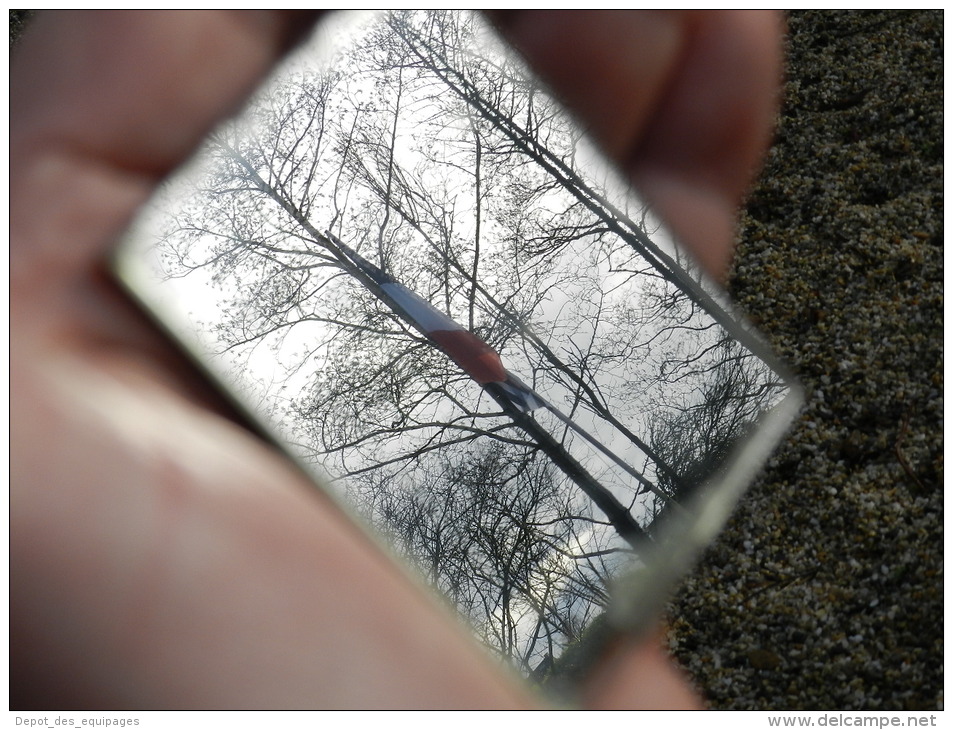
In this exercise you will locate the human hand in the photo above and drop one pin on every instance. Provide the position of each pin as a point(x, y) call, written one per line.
point(160, 555)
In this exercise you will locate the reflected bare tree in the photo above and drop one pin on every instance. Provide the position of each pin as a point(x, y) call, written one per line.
point(493, 529)
point(456, 174)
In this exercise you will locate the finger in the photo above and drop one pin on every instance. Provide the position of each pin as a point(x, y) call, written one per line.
point(140, 88)
point(107, 103)
point(640, 676)
point(683, 100)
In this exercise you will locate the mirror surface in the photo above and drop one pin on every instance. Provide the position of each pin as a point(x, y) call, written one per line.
point(408, 263)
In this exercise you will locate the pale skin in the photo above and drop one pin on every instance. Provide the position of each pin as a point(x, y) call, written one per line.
point(162, 556)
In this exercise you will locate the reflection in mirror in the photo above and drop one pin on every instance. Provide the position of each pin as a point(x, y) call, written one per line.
point(410, 264)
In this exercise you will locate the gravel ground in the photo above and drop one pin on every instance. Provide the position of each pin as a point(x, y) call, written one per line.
point(826, 590)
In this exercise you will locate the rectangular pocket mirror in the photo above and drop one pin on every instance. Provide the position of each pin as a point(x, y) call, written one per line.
point(411, 269)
